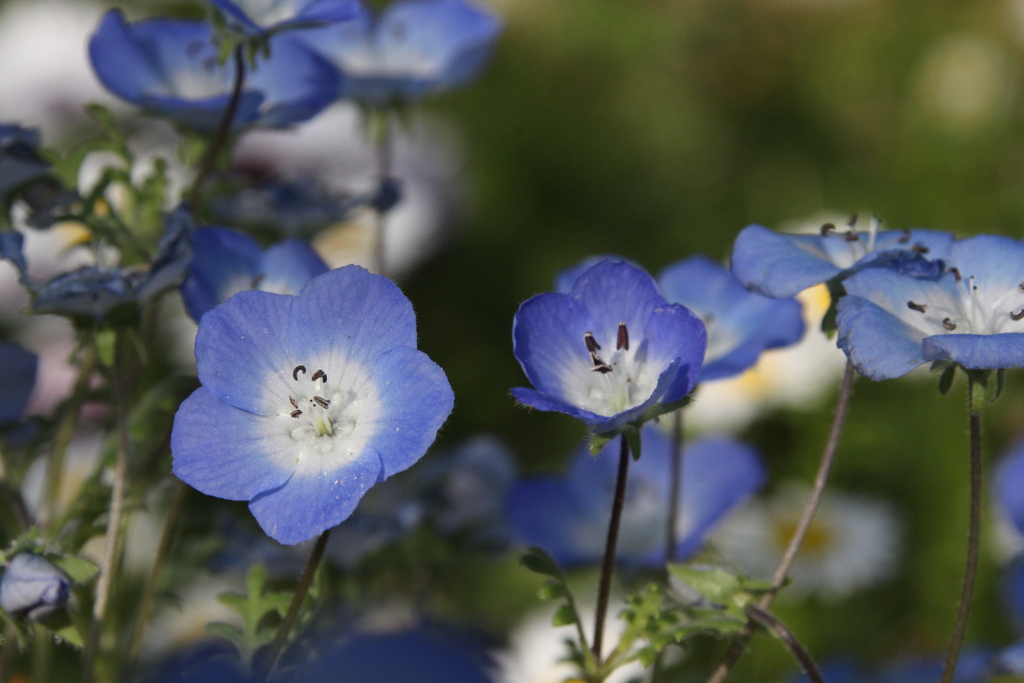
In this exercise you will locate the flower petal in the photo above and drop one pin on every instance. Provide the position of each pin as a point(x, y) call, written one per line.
point(349, 316)
point(674, 332)
point(880, 345)
point(1009, 487)
point(316, 497)
point(243, 355)
point(548, 513)
point(229, 453)
point(535, 399)
point(221, 258)
point(995, 261)
point(17, 380)
point(779, 265)
point(977, 351)
point(289, 265)
point(545, 346)
point(415, 399)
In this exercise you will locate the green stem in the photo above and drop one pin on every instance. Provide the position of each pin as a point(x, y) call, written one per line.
point(14, 499)
point(108, 564)
point(384, 152)
point(149, 593)
point(973, 542)
point(734, 652)
point(220, 137)
point(285, 629)
point(675, 488)
point(798, 651)
point(608, 565)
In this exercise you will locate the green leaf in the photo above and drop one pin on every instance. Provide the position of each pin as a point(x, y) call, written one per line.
point(539, 562)
point(647, 655)
point(720, 587)
point(635, 445)
point(70, 634)
point(228, 631)
point(1000, 385)
point(599, 441)
point(79, 570)
point(946, 380)
point(551, 590)
point(565, 616)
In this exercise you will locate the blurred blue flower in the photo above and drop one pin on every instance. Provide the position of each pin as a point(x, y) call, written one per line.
point(890, 324)
point(170, 68)
point(974, 667)
point(308, 401)
point(420, 655)
point(1009, 491)
point(19, 157)
point(780, 264)
point(416, 48)
point(18, 370)
point(259, 17)
point(609, 350)
point(32, 588)
point(299, 208)
point(740, 324)
point(225, 262)
point(568, 516)
point(98, 293)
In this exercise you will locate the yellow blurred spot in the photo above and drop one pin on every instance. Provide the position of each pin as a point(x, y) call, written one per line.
point(816, 301)
point(818, 541)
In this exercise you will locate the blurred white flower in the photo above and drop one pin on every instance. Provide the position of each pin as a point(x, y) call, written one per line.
point(853, 542)
point(175, 626)
point(80, 460)
point(536, 648)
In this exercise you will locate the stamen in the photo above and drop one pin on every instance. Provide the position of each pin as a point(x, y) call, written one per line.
point(1017, 316)
point(592, 345)
point(295, 372)
point(852, 222)
point(322, 402)
point(905, 237)
point(917, 307)
point(623, 340)
point(959, 277)
point(296, 413)
point(828, 229)
point(317, 375)
point(851, 236)
point(920, 248)
point(949, 324)
point(599, 365)
point(294, 404)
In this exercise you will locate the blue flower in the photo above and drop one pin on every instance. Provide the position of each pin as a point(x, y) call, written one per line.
point(33, 588)
point(1009, 491)
point(19, 157)
point(18, 370)
point(568, 516)
point(780, 265)
point(307, 401)
point(416, 48)
point(99, 294)
point(260, 17)
point(890, 324)
point(609, 350)
point(740, 324)
point(225, 262)
point(170, 68)
point(298, 208)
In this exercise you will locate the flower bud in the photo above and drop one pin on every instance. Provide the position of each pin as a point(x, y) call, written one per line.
point(33, 588)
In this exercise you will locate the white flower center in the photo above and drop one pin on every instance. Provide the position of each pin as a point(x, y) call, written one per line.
point(973, 309)
point(619, 376)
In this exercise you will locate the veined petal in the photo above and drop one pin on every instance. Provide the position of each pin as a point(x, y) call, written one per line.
point(318, 496)
point(415, 400)
point(895, 293)
point(675, 333)
point(880, 345)
point(779, 265)
point(996, 262)
point(977, 351)
point(545, 346)
point(349, 316)
point(243, 354)
point(222, 260)
point(610, 293)
point(230, 453)
point(536, 399)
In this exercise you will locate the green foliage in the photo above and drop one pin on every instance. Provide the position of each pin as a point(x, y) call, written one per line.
point(255, 608)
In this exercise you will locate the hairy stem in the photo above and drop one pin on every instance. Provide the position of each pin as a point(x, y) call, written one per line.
point(786, 636)
point(149, 593)
point(220, 136)
point(807, 516)
point(608, 564)
point(285, 629)
point(963, 611)
point(675, 487)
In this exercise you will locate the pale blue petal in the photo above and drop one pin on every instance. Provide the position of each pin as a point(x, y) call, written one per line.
point(349, 316)
point(1009, 489)
point(544, 344)
point(289, 265)
point(243, 355)
point(565, 279)
point(415, 400)
point(674, 333)
point(229, 453)
point(994, 261)
point(610, 293)
point(221, 258)
point(318, 496)
point(977, 351)
point(535, 399)
point(779, 265)
point(879, 344)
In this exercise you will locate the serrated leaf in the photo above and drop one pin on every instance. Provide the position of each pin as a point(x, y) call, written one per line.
point(539, 562)
point(79, 570)
point(219, 628)
point(234, 601)
point(565, 616)
point(716, 585)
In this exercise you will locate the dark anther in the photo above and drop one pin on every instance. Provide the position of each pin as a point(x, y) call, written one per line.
point(295, 372)
point(592, 345)
point(828, 229)
point(599, 365)
point(296, 413)
point(294, 404)
point(1017, 316)
point(623, 340)
point(920, 248)
point(257, 280)
point(317, 375)
point(851, 236)
point(917, 307)
point(1021, 286)
point(905, 237)
point(322, 402)
point(949, 324)
point(959, 277)
point(853, 221)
